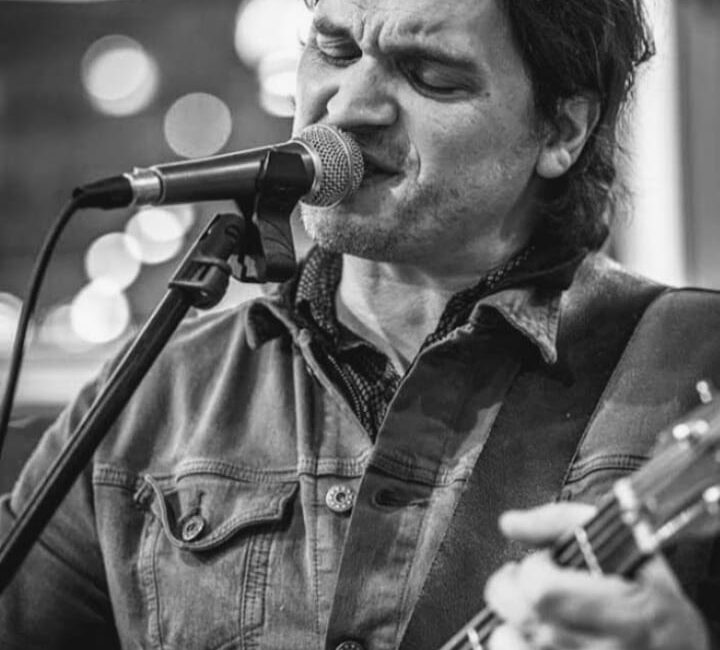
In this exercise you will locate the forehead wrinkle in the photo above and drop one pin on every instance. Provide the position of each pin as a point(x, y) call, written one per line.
point(480, 39)
point(414, 35)
point(348, 19)
point(372, 25)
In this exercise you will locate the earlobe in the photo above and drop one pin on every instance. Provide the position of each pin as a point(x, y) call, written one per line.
point(553, 162)
point(576, 119)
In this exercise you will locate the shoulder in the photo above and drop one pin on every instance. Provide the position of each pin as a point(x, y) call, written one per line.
point(600, 274)
point(242, 329)
point(214, 378)
point(602, 287)
point(600, 281)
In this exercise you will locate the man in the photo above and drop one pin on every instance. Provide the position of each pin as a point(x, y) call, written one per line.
point(325, 468)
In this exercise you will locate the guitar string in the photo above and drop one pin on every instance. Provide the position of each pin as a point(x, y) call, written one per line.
point(601, 531)
point(604, 538)
point(486, 622)
point(597, 529)
point(607, 537)
point(567, 553)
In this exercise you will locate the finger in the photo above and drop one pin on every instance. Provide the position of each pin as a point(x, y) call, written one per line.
point(552, 637)
point(673, 620)
point(544, 524)
point(538, 590)
point(564, 608)
point(506, 637)
point(583, 601)
point(504, 596)
point(657, 573)
point(540, 637)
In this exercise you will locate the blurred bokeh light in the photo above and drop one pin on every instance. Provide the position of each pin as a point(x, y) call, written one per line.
point(268, 26)
point(56, 330)
point(119, 76)
point(198, 124)
point(277, 74)
point(158, 233)
point(183, 214)
point(100, 312)
point(268, 34)
point(114, 257)
point(10, 307)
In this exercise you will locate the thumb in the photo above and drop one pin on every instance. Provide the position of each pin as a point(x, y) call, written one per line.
point(543, 525)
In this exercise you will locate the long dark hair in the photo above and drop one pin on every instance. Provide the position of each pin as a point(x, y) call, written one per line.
point(590, 48)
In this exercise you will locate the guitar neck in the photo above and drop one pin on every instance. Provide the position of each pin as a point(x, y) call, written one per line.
point(603, 545)
point(643, 512)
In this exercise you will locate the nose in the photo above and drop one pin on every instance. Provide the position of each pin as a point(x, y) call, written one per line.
point(362, 96)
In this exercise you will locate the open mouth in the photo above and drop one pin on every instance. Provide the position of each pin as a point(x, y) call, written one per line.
point(375, 171)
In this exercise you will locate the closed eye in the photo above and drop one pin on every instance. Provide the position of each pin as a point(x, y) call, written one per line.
point(339, 57)
point(334, 50)
point(332, 43)
point(435, 79)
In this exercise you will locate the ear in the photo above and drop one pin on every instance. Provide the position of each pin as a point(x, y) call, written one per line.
point(575, 121)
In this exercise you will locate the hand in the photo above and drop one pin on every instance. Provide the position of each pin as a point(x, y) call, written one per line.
point(546, 607)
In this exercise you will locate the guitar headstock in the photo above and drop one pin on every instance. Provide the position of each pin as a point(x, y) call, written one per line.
point(678, 491)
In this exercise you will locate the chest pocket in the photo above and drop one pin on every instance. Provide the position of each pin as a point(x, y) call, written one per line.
point(205, 557)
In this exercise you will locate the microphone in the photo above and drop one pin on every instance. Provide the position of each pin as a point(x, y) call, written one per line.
point(330, 168)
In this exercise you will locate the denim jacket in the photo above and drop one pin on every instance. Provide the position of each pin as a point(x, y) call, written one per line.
point(238, 502)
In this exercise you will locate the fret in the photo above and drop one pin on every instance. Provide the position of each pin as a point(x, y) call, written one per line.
point(631, 513)
point(474, 639)
point(588, 554)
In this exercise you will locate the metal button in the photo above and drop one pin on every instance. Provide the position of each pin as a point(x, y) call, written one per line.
point(192, 528)
point(350, 645)
point(340, 498)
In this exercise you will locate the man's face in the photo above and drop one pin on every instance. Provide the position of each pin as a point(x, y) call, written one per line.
point(437, 96)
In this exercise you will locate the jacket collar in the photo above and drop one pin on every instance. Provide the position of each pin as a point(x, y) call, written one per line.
point(529, 302)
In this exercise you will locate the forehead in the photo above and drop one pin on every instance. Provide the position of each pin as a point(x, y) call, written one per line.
point(468, 26)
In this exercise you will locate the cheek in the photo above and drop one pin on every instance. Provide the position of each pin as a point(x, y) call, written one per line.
point(493, 149)
point(451, 147)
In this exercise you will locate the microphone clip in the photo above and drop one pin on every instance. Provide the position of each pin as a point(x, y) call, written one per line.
point(270, 251)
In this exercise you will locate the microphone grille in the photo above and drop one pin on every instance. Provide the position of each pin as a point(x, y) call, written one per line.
point(341, 166)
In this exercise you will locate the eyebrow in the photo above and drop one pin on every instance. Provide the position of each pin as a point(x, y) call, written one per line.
point(432, 54)
point(427, 52)
point(327, 27)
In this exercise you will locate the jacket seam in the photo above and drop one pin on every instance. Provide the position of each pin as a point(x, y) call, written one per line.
point(611, 383)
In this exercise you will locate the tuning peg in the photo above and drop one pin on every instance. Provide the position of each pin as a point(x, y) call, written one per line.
point(694, 517)
point(711, 499)
point(691, 431)
point(705, 391)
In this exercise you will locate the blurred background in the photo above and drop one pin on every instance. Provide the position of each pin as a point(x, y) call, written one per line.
point(91, 89)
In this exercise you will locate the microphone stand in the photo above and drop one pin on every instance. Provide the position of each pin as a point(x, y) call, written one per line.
point(200, 281)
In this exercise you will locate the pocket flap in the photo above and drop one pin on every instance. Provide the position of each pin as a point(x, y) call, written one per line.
point(201, 511)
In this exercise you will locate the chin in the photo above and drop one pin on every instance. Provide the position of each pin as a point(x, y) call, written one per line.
point(341, 231)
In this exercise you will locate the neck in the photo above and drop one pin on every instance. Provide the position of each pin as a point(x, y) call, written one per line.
point(395, 307)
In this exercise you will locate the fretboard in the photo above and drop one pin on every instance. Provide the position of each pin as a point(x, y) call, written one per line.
point(604, 545)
